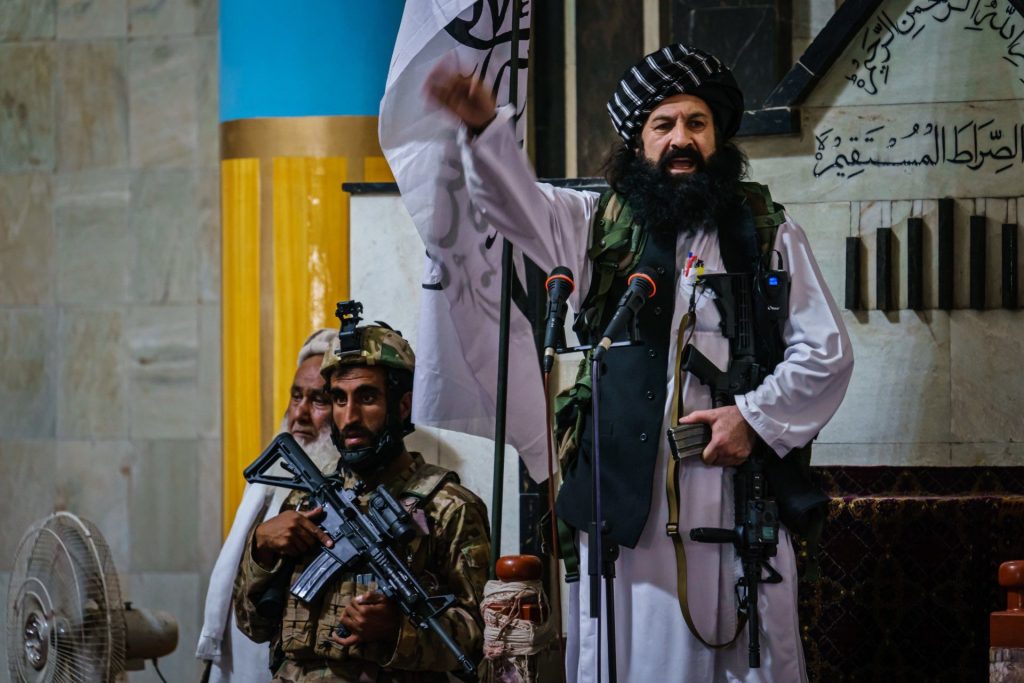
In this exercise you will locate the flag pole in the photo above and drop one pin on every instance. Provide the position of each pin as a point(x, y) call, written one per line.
point(497, 486)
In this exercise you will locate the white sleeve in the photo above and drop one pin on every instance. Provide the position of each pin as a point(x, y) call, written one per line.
point(222, 578)
point(798, 399)
point(550, 225)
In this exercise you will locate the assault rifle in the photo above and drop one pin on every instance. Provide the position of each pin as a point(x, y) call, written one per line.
point(362, 540)
point(756, 532)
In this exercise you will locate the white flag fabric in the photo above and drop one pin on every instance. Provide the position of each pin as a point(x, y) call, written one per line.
point(457, 346)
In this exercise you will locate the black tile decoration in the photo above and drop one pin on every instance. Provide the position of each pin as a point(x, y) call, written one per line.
point(883, 269)
point(745, 35)
point(769, 122)
point(609, 40)
point(852, 273)
point(946, 254)
point(822, 53)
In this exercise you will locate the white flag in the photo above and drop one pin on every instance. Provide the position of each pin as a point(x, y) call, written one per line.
point(457, 354)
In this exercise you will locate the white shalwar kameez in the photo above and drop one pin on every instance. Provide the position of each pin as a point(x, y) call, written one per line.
point(552, 226)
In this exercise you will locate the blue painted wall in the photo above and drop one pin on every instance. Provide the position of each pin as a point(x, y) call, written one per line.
point(305, 57)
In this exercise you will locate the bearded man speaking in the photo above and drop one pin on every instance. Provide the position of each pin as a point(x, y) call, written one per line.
point(678, 209)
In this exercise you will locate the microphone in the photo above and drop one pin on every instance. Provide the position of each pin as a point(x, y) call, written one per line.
point(559, 285)
point(640, 288)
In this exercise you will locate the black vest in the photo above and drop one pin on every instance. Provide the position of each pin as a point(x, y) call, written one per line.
point(632, 406)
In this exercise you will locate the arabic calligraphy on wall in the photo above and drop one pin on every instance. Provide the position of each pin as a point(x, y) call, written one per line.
point(983, 145)
point(872, 62)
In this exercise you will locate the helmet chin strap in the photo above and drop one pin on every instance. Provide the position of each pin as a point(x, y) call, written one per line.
point(386, 446)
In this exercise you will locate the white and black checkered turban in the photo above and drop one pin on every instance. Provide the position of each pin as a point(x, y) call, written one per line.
point(673, 70)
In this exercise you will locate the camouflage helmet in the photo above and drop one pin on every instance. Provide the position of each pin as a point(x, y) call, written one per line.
point(378, 345)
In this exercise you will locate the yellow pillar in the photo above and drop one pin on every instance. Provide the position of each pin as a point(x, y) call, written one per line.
point(285, 261)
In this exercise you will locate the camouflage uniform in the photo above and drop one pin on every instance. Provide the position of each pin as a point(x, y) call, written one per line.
point(449, 556)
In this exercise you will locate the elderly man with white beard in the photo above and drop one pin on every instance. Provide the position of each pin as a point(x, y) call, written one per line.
point(228, 653)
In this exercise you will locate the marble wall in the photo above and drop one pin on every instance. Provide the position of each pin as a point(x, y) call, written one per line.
point(110, 289)
point(930, 387)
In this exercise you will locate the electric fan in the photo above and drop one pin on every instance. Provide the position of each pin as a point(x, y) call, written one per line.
point(65, 618)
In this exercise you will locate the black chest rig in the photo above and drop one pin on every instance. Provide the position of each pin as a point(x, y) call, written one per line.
point(634, 384)
point(632, 407)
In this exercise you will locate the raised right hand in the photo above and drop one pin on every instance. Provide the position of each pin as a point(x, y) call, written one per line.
point(290, 533)
point(467, 97)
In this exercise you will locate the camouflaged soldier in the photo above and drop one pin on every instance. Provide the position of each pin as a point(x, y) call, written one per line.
point(370, 387)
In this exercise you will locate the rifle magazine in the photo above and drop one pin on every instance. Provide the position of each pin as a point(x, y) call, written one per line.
point(316, 575)
point(688, 440)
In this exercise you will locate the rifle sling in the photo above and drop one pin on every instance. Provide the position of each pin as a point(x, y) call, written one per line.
point(672, 490)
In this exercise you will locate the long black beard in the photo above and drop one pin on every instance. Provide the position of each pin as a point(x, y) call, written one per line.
point(668, 204)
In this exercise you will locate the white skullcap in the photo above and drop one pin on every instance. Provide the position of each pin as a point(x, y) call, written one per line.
point(317, 344)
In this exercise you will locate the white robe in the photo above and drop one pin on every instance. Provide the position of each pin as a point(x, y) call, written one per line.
point(232, 655)
point(552, 226)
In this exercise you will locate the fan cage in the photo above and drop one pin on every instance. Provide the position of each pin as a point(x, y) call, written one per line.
point(64, 576)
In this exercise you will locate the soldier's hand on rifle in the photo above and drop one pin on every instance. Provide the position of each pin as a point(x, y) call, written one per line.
point(370, 617)
point(467, 97)
point(291, 533)
point(732, 439)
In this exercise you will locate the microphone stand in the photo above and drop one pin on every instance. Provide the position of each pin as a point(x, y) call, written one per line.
point(601, 553)
point(501, 401)
point(556, 551)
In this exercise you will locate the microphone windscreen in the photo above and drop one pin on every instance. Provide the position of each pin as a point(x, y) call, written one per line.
point(643, 278)
point(558, 275)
